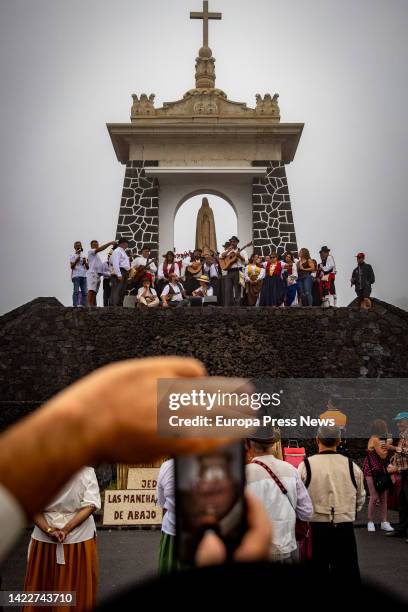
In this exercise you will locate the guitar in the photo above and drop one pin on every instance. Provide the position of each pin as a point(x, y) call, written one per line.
point(140, 270)
point(230, 258)
point(195, 267)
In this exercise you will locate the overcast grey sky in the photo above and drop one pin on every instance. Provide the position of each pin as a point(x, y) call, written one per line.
point(69, 67)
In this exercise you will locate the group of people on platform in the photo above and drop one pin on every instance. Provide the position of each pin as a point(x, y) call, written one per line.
point(229, 278)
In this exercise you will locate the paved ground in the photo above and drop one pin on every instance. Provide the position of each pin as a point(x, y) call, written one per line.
point(128, 556)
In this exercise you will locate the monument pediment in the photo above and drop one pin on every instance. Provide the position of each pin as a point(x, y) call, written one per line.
point(209, 102)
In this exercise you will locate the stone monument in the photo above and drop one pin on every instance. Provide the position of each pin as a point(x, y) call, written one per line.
point(206, 237)
point(206, 143)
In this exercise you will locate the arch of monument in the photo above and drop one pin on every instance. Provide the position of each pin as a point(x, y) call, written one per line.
point(206, 143)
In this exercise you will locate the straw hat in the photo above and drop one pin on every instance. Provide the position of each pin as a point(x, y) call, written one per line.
point(203, 278)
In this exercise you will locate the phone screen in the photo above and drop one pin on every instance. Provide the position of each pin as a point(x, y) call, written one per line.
point(210, 496)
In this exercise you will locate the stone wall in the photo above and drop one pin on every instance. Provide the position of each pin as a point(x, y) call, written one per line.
point(45, 346)
point(139, 208)
point(273, 227)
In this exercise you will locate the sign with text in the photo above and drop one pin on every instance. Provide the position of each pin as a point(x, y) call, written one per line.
point(136, 505)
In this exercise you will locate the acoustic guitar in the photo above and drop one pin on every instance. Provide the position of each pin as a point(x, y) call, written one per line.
point(139, 272)
point(195, 267)
point(230, 258)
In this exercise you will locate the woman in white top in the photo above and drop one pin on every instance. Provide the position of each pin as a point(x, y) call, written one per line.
point(166, 500)
point(62, 555)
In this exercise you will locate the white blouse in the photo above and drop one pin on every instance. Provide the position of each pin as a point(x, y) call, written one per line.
point(81, 491)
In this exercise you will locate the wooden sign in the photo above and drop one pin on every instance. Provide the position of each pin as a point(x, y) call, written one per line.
point(136, 505)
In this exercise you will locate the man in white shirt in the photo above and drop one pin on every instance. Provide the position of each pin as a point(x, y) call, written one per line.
point(268, 478)
point(121, 267)
point(79, 267)
point(231, 281)
point(173, 293)
point(141, 261)
point(95, 269)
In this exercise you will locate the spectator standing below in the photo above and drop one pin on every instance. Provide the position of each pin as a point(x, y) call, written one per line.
point(96, 269)
point(336, 487)
point(166, 500)
point(62, 554)
point(326, 274)
point(278, 485)
point(400, 465)
point(306, 267)
point(375, 464)
point(120, 273)
point(362, 278)
point(79, 268)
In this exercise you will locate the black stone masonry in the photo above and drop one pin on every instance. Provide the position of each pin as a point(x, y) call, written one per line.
point(45, 346)
point(272, 219)
point(139, 208)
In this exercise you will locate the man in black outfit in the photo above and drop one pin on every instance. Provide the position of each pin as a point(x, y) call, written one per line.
point(362, 279)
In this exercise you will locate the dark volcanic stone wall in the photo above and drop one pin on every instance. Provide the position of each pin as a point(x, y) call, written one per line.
point(45, 346)
point(272, 218)
point(139, 208)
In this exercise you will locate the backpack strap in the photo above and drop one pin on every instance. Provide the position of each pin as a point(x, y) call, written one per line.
point(308, 472)
point(352, 474)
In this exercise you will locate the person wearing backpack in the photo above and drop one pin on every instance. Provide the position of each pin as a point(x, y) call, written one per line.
point(336, 488)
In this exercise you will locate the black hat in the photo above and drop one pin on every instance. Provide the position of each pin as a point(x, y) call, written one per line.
point(226, 244)
point(234, 238)
point(324, 249)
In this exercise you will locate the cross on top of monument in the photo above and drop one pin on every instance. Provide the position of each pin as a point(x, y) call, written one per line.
point(205, 16)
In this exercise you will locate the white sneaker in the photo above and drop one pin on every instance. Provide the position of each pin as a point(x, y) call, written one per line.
point(370, 526)
point(386, 526)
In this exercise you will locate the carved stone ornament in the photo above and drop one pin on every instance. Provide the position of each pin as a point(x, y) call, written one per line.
point(142, 106)
point(267, 105)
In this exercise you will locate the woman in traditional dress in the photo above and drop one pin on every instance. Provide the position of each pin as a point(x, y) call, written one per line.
point(306, 267)
point(273, 286)
point(167, 267)
point(290, 277)
point(147, 295)
point(253, 275)
point(62, 554)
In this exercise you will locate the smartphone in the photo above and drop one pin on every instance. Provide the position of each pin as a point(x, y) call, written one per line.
point(210, 496)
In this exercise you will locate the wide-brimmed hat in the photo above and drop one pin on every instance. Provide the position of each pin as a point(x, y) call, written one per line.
point(234, 238)
point(324, 249)
point(203, 279)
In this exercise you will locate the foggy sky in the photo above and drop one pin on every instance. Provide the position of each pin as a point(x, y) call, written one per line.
point(68, 68)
